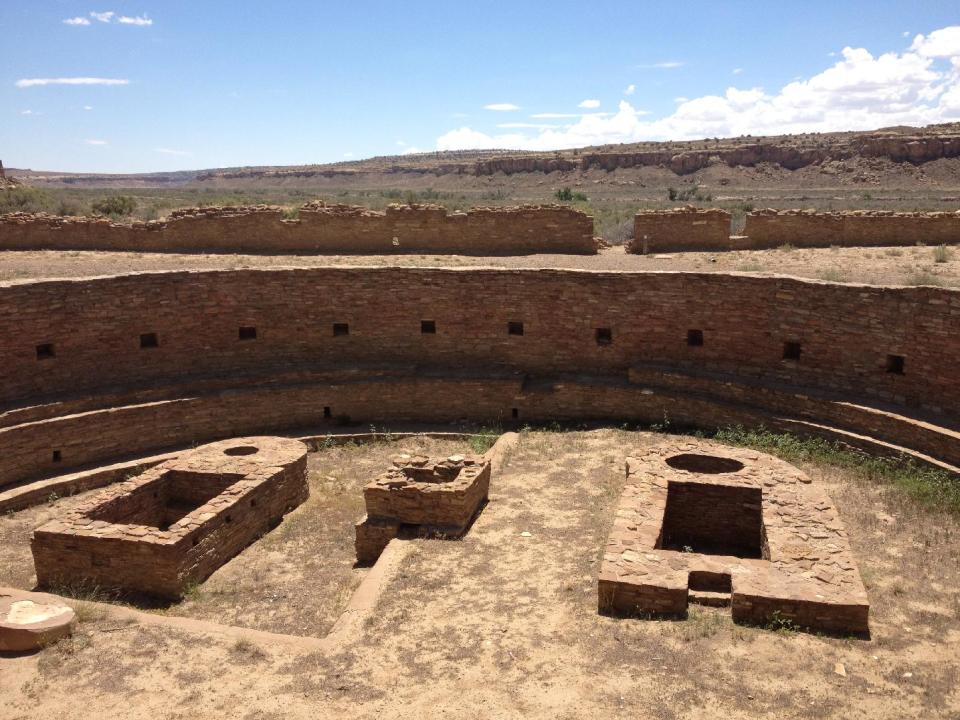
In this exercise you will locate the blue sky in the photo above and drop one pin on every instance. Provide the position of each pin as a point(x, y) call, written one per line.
point(200, 84)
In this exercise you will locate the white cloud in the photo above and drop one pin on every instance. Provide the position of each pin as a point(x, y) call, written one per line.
point(35, 82)
point(630, 89)
point(554, 116)
point(96, 142)
point(905, 33)
point(103, 17)
point(412, 150)
point(681, 99)
point(860, 91)
point(738, 71)
point(27, 112)
point(140, 20)
point(662, 65)
point(76, 21)
point(501, 107)
point(168, 151)
point(88, 107)
point(589, 104)
point(533, 126)
point(348, 154)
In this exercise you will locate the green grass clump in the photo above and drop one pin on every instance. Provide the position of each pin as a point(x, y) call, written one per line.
point(927, 486)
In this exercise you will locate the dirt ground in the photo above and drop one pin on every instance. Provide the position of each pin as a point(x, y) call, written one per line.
point(503, 624)
point(877, 266)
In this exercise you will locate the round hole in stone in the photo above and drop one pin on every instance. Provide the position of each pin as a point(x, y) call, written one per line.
point(241, 450)
point(707, 464)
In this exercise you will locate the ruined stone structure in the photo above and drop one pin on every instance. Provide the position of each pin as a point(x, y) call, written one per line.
point(99, 370)
point(685, 228)
point(319, 228)
point(699, 522)
point(421, 496)
point(691, 230)
point(176, 523)
point(858, 228)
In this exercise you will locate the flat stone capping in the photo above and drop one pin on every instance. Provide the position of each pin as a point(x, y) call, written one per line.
point(421, 496)
point(176, 523)
point(762, 534)
point(29, 621)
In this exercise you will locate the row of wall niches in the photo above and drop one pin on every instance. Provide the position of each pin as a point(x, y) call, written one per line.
point(792, 349)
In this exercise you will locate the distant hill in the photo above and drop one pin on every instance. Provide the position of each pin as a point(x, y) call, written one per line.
point(862, 153)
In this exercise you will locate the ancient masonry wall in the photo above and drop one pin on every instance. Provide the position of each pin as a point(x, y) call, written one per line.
point(319, 228)
point(687, 229)
point(802, 228)
point(111, 367)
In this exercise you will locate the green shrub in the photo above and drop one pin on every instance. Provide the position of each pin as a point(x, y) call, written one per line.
point(25, 199)
point(115, 205)
point(941, 254)
point(564, 194)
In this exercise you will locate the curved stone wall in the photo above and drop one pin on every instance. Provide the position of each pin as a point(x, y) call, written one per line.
point(98, 369)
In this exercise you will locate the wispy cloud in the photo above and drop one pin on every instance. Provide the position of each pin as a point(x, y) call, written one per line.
point(88, 107)
point(140, 20)
point(169, 151)
point(501, 107)
point(348, 154)
point(589, 104)
point(554, 116)
point(737, 71)
point(29, 112)
point(630, 89)
point(662, 65)
point(109, 17)
point(96, 142)
point(36, 82)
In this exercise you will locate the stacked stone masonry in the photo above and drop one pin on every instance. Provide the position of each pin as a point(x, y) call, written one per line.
point(805, 228)
point(318, 228)
point(425, 497)
point(254, 351)
point(175, 524)
point(735, 526)
point(685, 228)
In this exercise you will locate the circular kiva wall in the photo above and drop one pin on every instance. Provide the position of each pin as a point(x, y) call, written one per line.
point(102, 369)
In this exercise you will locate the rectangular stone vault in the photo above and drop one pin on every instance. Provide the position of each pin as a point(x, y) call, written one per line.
point(703, 522)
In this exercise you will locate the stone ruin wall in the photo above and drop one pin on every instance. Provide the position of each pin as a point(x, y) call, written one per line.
point(689, 229)
point(858, 228)
point(320, 228)
point(94, 393)
point(698, 230)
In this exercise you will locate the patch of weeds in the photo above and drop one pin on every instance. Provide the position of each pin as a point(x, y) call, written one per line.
point(781, 625)
point(893, 252)
point(291, 214)
point(484, 439)
point(786, 247)
point(246, 651)
point(922, 277)
point(927, 486)
point(941, 254)
point(833, 275)
point(749, 267)
point(700, 624)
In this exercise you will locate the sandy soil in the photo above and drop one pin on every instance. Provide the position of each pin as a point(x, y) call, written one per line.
point(878, 266)
point(503, 625)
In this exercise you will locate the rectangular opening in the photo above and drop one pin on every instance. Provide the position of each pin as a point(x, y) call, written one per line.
point(713, 520)
point(326, 411)
point(166, 500)
point(604, 336)
point(57, 457)
point(248, 332)
point(45, 351)
point(709, 581)
point(791, 350)
point(695, 338)
point(428, 327)
point(514, 328)
point(341, 329)
point(895, 364)
point(515, 413)
point(149, 340)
